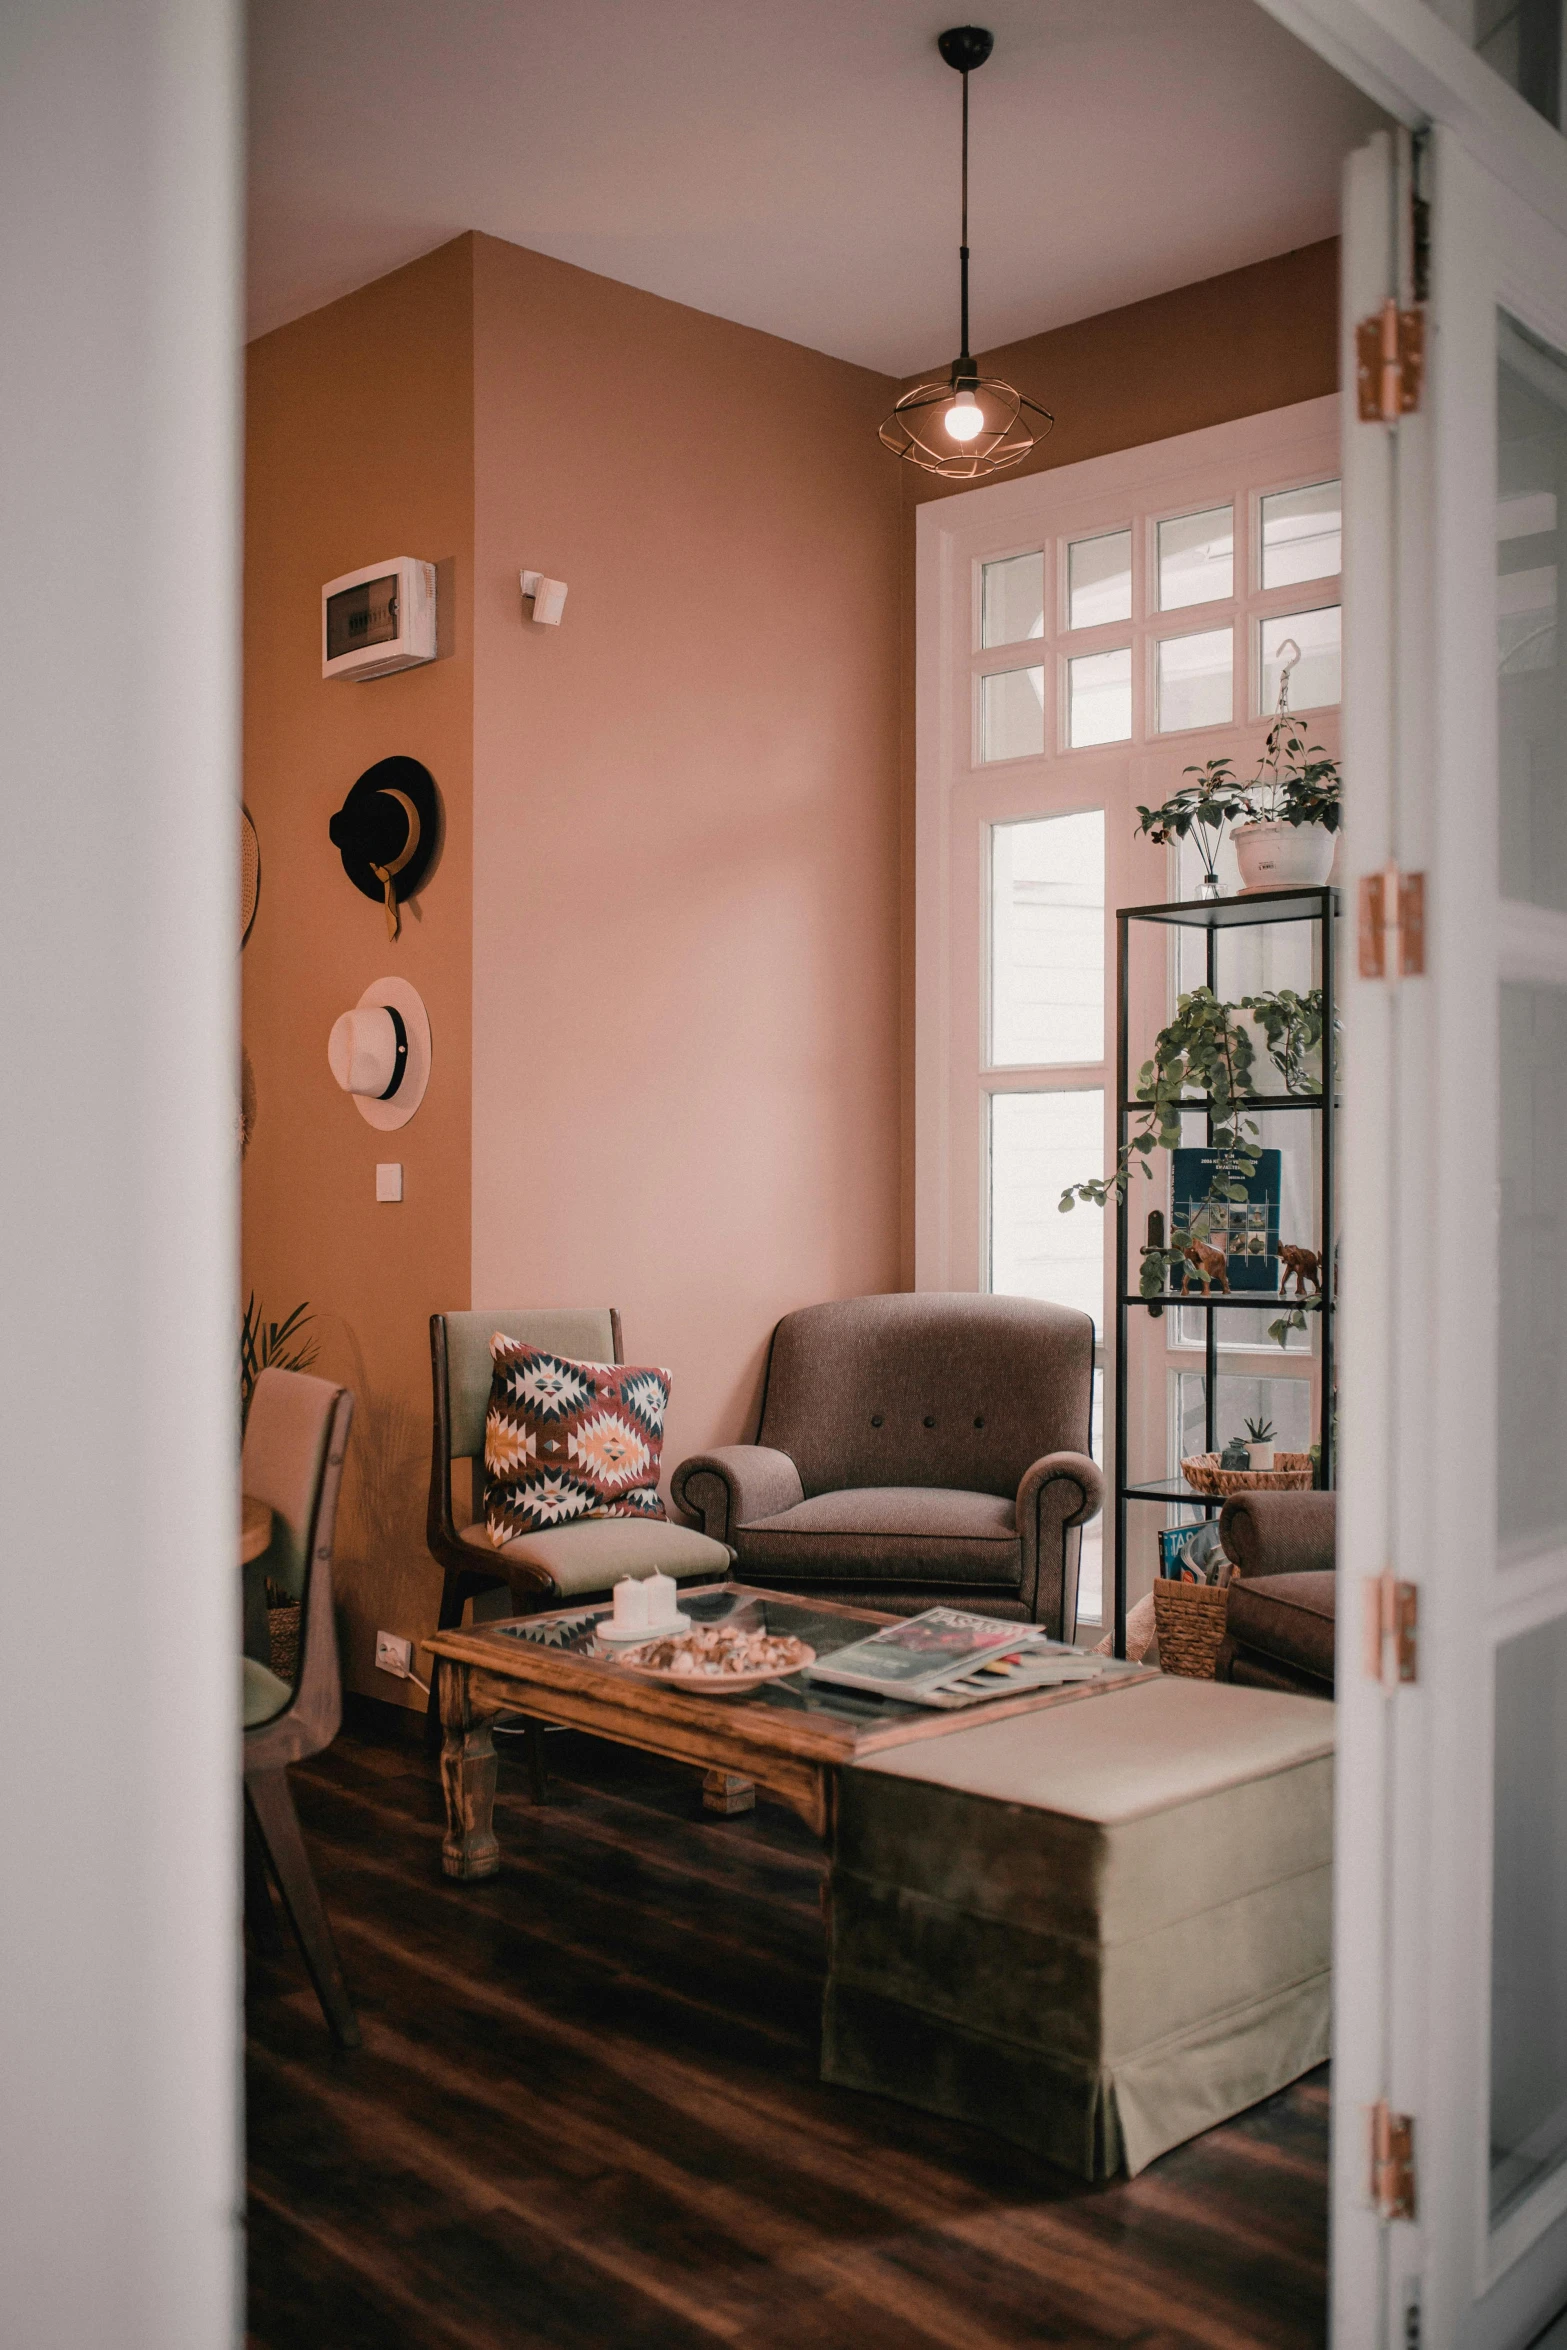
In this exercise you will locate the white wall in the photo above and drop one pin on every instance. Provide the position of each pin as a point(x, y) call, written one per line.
point(119, 188)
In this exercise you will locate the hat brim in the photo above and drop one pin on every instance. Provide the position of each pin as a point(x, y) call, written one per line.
point(407, 1001)
point(370, 828)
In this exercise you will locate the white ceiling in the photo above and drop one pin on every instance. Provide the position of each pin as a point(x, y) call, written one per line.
point(793, 164)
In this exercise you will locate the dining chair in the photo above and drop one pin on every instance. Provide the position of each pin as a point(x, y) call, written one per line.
point(580, 1561)
point(295, 1439)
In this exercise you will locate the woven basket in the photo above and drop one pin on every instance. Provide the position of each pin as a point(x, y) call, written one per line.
point(1190, 1620)
point(283, 1626)
point(1291, 1474)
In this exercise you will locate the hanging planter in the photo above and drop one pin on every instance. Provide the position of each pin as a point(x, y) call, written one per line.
point(1284, 854)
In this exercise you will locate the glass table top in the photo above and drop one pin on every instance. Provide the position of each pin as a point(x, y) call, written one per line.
point(749, 1611)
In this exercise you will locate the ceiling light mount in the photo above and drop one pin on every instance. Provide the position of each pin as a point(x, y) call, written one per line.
point(964, 426)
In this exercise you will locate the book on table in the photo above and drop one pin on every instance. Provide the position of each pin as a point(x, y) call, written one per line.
point(948, 1657)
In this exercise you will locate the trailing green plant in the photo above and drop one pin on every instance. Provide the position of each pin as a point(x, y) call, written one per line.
point(1198, 811)
point(1292, 1025)
point(1202, 1053)
point(1279, 1331)
point(265, 1345)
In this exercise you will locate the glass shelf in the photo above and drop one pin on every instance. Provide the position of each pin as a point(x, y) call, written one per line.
point(1262, 905)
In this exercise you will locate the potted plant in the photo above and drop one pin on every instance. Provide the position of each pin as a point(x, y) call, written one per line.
point(1260, 1444)
point(1202, 1052)
point(1198, 812)
point(1294, 802)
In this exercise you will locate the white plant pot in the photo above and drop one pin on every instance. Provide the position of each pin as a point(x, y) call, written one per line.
point(1262, 1456)
point(1284, 856)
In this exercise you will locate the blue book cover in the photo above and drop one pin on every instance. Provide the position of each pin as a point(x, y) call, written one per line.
point(1247, 1231)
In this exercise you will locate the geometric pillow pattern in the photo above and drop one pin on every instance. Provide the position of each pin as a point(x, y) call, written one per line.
point(566, 1440)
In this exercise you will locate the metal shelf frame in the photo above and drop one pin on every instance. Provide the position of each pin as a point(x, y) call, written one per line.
point(1211, 915)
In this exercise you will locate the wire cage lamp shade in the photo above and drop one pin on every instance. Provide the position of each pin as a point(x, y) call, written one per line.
point(963, 426)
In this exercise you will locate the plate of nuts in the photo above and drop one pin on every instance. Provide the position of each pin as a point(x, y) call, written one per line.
point(718, 1660)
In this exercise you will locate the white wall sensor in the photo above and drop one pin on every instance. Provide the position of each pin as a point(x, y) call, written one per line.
point(548, 595)
point(378, 620)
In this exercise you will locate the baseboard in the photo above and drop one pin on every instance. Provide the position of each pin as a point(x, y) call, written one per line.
point(379, 1717)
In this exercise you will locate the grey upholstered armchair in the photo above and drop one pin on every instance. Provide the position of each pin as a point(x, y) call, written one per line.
point(915, 1449)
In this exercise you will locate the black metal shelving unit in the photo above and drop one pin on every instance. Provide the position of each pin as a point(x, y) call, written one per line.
point(1211, 915)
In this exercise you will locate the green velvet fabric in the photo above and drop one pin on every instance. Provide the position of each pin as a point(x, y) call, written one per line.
point(262, 1694)
point(1092, 2120)
point(593, 1553)
point(1093, 1929)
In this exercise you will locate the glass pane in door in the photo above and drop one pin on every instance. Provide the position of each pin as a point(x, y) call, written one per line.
point(1039, 1143)
point(1529, 1915)
point(1528, 2052)
point(1197, 558)
point(1531, 1463)
point(1012, 600)
point(1531, 499)
point(1047, 941)
point(1012, 714)
point(1099, 579)
point(1302, 534)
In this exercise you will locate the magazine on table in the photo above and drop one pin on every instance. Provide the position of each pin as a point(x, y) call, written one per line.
point(948, 1657)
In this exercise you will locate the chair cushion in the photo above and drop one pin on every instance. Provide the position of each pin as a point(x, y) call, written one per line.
point(262, 1694)
point(565, 1440)
point(593, 1554)
point(1286, 1616)
point(879, 1531)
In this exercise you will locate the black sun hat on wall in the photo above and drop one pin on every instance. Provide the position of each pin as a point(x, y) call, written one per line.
point(387, 832)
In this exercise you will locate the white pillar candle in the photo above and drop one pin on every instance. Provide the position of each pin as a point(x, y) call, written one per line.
point(631, 1614)
point(660, 1590)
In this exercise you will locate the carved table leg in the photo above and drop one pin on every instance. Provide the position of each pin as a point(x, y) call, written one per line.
point(727, 1792)
point(467, 1780)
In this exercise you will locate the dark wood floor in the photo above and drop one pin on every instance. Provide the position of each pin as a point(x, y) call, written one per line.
point(586, 2113)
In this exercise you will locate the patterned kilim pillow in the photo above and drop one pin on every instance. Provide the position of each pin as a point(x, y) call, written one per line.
point(565, 1440)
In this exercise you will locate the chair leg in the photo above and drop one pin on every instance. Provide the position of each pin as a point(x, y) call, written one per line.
point(271, 1804)
point(260, 1916)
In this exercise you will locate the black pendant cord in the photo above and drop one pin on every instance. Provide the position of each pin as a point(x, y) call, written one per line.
point(963, 352)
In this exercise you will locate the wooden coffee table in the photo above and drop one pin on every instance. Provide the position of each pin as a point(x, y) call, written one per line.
point(790, 1738)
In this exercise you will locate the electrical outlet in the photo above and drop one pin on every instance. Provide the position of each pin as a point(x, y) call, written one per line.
point(394, 1655)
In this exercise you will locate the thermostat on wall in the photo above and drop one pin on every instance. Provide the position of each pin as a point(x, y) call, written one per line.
point(377, 620)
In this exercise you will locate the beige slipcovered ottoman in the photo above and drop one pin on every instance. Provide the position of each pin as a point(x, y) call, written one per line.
point(1096, 1929)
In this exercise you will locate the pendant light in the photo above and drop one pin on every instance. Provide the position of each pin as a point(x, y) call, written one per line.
point(963, 425)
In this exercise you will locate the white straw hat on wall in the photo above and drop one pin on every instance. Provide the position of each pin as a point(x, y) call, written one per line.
point(380, 1052)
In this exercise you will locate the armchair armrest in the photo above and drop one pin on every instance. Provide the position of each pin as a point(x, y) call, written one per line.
point(733, 1485)
point(1280, 1533)
point(1061, 1491)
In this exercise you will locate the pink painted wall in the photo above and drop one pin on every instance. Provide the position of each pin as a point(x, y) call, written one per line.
point(686, 908)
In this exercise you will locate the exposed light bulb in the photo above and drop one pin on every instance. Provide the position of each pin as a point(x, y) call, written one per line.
point(965, 420)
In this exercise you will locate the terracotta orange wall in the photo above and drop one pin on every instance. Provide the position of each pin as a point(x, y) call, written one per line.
point(359, 445)
point(686, 913)
point(1225, 347)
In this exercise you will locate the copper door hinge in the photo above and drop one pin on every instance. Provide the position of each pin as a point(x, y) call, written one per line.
point(1390, 363)
point(1392, 924)
point(1392, 2162)
point(1392, 1628)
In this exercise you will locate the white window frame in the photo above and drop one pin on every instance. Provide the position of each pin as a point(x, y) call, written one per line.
point(958, 796)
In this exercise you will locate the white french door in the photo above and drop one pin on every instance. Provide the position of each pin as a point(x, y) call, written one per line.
point(1451, 1959)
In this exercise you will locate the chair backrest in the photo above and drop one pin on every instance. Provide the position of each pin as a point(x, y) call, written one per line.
point(296, 1438)
point(928, 1388)
point(460, 1369)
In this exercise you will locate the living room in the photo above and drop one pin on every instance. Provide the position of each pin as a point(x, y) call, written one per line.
point(690, 944)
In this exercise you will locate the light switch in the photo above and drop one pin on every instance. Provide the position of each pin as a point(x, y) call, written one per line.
point(389, 1180)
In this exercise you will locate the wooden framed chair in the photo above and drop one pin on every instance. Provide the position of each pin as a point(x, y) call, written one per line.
point(577, 1561)
point(295, 1440)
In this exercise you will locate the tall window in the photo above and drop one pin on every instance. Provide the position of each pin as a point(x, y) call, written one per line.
point(1084, 636)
